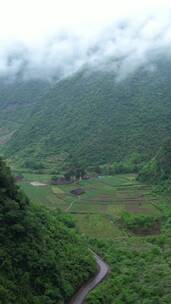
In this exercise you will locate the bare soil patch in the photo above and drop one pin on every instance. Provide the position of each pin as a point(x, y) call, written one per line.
point(145, 231)
point(102, 198)
point(38, 184)
point(137, 207)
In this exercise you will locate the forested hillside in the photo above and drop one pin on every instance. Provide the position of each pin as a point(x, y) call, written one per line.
point(98, 119)
point(158, 169)
point(17, 101)
point(42, 259)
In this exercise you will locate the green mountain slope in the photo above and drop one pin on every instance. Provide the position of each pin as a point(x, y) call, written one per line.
point(17, 100)
point(42, 258)
point(158, 169)
point(97, 119)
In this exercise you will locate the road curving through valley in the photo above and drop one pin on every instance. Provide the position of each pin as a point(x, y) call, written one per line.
point(103, 270)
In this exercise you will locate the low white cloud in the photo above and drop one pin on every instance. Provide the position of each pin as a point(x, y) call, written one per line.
point(45, 38)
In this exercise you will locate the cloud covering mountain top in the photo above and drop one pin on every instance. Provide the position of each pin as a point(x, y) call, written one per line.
point(45, 38)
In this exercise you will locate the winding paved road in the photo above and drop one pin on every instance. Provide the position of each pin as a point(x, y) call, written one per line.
point(91, 284)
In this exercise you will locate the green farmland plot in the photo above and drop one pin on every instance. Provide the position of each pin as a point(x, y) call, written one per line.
point(98, 210)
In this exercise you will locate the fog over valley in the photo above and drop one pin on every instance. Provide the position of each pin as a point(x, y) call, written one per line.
point(44, 39)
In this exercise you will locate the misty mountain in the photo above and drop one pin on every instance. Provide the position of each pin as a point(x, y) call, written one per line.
point(17, 100)
point(91, 116)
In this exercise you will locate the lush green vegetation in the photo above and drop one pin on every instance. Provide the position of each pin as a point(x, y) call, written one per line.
point(87, 124)
point(105, 199)
point(95, 119)
point(119, 203)
point(126, 223)
point(42, 258)
point(140, 270)
point(17, 100)
point(130, 227)
point(141, 223)
point(118, 215)
point(158, 169)
point(140, 260)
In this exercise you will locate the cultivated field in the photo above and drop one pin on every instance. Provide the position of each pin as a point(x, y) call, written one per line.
point(97, 211)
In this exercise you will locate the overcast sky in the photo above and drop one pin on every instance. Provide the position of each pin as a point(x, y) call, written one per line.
point(52, 36)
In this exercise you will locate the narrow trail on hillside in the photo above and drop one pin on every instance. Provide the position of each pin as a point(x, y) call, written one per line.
point(70, 206)
point(103, 270)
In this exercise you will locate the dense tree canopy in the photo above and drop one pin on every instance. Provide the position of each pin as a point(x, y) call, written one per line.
point(158, 169)
point(91, 116)
point(42, 258)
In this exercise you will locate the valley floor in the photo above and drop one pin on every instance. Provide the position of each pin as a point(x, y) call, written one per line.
point(98, 210)
point(115, 215)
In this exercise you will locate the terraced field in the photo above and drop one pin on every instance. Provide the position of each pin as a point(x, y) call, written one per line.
point(97, 211)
